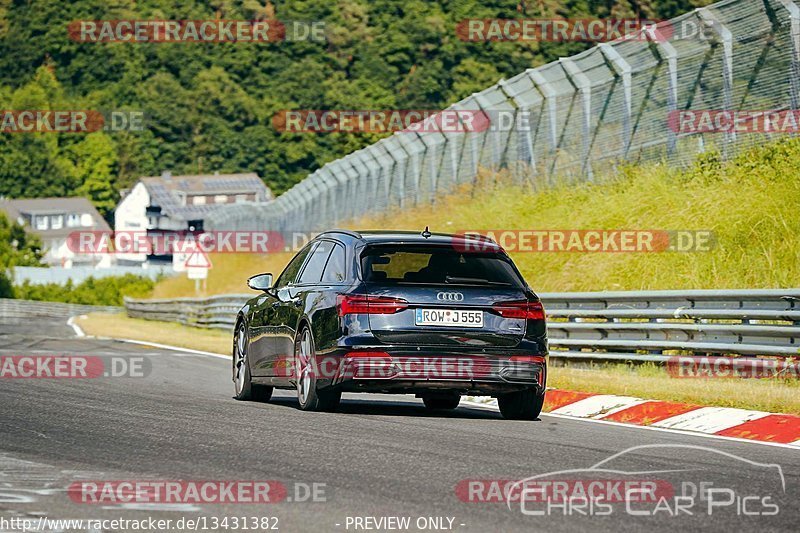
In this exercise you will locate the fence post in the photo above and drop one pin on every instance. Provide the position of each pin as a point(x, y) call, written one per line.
point(410, 142)
point(623, 69)
point(530, 158)
point(329, 197)
point(320, 192)
point(666, 52)
point(370, 180)
point(726, 38)
point(794, 70)
point(299, 219)
point(350, 176)
point(584, 87)
point(360, 191)
point(490, 135)
point(549, 95)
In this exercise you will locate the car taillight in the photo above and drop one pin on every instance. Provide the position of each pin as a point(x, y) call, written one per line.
point(533, 359)
point(369, 305)
point(520, 309)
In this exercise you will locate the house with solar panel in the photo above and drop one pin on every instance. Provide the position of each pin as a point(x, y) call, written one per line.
point(160, 205)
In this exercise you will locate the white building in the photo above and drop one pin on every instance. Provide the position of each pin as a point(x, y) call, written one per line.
point(53, 220)
point(158, 205)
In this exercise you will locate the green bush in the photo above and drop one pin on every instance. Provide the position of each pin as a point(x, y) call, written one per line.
point(100, 291)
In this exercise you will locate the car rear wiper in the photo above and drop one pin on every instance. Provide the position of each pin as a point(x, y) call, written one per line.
point(474, 281)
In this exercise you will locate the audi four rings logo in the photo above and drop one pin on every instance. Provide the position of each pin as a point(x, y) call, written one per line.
point(449, 296)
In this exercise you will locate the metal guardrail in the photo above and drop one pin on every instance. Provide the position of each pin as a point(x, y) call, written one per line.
point(12, 308)
point(213, 312)
point(601, 326)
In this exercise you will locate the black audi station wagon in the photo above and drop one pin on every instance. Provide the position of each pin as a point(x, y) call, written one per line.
point(435, 315)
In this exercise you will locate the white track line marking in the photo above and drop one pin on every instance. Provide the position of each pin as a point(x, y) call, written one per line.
point(75, 327)
point(177, 348)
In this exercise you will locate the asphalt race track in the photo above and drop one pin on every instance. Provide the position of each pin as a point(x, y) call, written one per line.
point(380, 457)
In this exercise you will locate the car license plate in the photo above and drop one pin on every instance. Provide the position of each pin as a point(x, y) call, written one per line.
point(449, 317)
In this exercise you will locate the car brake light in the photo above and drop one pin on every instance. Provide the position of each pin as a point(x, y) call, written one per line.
point(369, 305)
point(520, 309)
point(534, 359)
point(368, 355)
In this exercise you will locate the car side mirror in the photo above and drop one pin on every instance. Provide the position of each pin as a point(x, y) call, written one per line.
point(260, 282)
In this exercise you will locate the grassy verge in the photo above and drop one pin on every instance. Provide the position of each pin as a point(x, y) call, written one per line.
point(228, 275)
point(121, 327)
point(647, 381)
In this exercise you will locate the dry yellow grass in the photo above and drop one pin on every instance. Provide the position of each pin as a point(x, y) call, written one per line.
point(120, 326)
point(228, 275)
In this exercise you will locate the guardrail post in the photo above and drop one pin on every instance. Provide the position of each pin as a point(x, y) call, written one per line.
point(794, 69)
point(584, 87)
point(666, 52)
point(623, 70)
point(726, 39)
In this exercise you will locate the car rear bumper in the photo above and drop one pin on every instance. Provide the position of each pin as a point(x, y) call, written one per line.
point(420, 370)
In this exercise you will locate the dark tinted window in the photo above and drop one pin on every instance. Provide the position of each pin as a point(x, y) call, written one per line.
point(289, 274)
point(436, 265)
point(335, 270)
point(316, 263)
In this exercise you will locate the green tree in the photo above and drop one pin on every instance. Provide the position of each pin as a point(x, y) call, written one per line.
point(95, 164)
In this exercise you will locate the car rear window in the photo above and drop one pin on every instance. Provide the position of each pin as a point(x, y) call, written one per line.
point(431, 265)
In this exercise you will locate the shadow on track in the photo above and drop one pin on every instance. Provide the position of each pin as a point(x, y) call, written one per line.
point(394, 408)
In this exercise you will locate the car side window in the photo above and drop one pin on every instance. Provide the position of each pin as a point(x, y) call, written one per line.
point(335, 270)
point(312, 272)
point(289, 274)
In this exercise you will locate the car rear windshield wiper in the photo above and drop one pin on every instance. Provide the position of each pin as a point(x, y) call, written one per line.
point(473, 281)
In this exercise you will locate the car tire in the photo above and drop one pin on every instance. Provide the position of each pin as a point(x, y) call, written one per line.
point(521, 405)
point(309, 396)
point(441, 402)
point(243, 387)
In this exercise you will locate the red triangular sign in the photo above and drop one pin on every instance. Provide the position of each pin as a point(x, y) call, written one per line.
point(198, 259)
